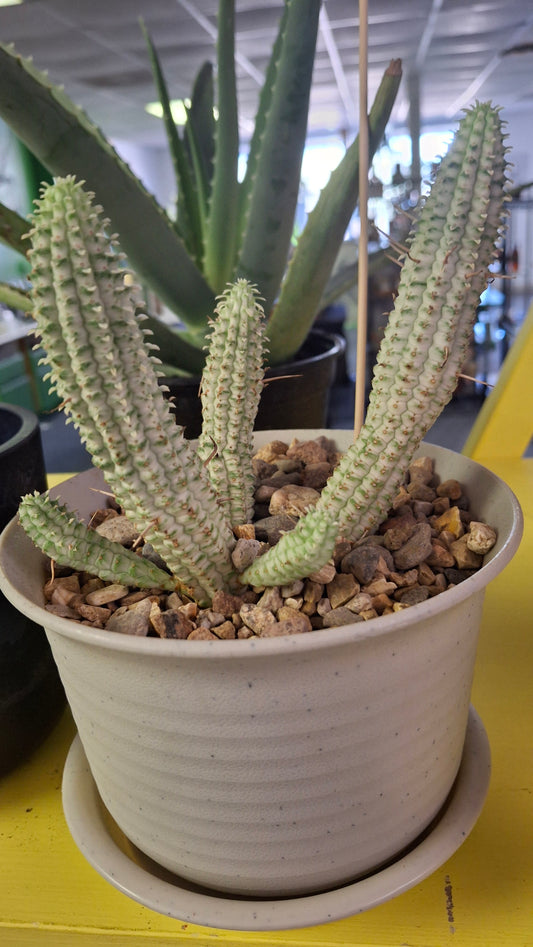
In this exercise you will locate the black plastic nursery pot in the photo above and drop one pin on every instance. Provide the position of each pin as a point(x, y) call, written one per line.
point(295, 395)
point(31, 693)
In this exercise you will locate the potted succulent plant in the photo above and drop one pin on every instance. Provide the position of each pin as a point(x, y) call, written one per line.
point(270, 764)
point(224, 228)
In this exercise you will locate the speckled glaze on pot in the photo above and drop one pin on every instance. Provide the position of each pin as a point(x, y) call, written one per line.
point(286, 765)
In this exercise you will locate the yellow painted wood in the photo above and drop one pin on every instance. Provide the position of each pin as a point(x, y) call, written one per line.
point(504, 426)
point(482, 897)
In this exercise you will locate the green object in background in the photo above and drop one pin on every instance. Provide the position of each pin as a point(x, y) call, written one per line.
point(15, 386)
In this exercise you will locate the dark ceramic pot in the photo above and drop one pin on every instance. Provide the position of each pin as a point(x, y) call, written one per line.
point(31, 694)
point(296, 395)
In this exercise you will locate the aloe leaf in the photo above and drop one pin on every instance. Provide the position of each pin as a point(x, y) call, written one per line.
point(189, 220)
point(220, 241)
point(265, 98)
point(177, 350)
point(15, 298)
point(322, 236)
point(67, 142)
point(200, 132)
point(274, 194)
point(14, 230)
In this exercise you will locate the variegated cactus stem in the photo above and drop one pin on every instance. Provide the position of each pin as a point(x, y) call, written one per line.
point(102, 368)
point(232, 382)
point(68, 541)
point(427, 334)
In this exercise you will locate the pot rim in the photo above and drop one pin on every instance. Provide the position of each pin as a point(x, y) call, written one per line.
point(380, 626)
point(28, 423)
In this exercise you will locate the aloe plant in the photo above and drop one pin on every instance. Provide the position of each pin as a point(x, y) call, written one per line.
point(181, 497)
point(225, 229)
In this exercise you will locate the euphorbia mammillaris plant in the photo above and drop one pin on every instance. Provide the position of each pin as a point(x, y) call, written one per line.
point(185, 500)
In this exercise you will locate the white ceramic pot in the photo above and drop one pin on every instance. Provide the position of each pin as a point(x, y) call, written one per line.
point(281, 766)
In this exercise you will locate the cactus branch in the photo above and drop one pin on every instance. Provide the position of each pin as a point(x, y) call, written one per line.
point(231, 388)
point(63, 537)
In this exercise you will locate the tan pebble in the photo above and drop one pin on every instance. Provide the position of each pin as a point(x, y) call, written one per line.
point(422, 468)
point(426, 576)
point(244, 632)
point(308, 608)
point(118, 529)
point(379, 602)
point(308, 451)
point(450, 488)
point(342, 588)
point(293, 500)
point(137, 596)
point(226, 631)
point(401, 498)
point(418, 490)
point(244, 553)
point(244, 531)
point(69, 583)
point(359, 602)
point(62, 595)
point(293, 589)
point(447, 537)
point(271, 599)
point(269, 452)
point(324, 575)
point(464, 557)
point(226, 603)
point(295, 623)
point(256, 618)
point(91, 585)
point(399, 606)
point(368, 613)
point(481, 537)
point(440, 505)
point(294, 601)
point(110, 593)
point(316, 475)
point(62, 610)
point(202, 634)
point(450, 521)
point(170, 623)
point(94, 613)
point(313, 591)
point(173, 600)
point(379, 587)
point(190, 610)
point(440, 557)
point(402, 579)
point(323, 606)
point(132, 621)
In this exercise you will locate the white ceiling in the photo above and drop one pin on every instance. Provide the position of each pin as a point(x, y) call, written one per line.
point(459, 48)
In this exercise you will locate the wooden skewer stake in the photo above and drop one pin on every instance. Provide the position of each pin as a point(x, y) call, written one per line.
point(362, 288)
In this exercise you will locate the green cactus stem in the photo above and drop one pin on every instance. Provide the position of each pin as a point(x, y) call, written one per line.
point(232, 382)
point(299, 553)
point(63, 537)
point(427, 335)
point(102, 368)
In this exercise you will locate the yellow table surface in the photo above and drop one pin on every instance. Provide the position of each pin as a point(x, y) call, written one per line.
point(483, 896)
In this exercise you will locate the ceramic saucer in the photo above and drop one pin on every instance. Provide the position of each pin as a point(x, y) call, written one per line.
point(108, 850)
